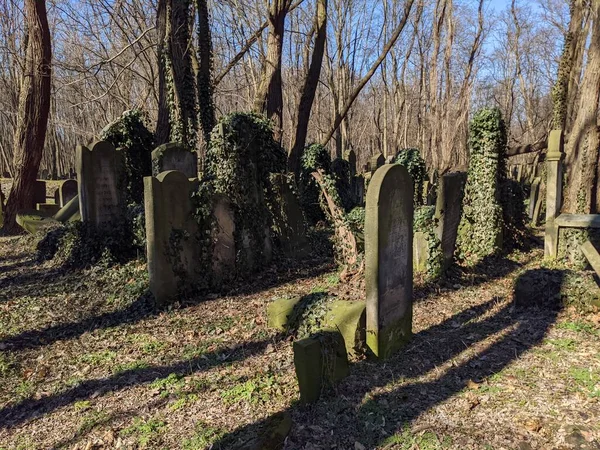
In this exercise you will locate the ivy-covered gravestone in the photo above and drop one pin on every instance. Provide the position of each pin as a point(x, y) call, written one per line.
point(241, 156)
point(481, 226)
point(174, 156)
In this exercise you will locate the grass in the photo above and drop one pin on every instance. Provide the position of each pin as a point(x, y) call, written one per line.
point(587, 380)
point(204, 436)
point(92, 420)
point(145, 432)
point(428, 440)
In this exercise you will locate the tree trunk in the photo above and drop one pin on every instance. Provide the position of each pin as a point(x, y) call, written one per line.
point(163, 127)
point(584, 142)
point(269, 96)
point(310, 87)
point(34, 107)
point(204, 80)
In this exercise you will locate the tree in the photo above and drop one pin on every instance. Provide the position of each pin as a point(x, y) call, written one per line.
point(310, 87)
point(269, 96)
point(204, 78)
point(34, 107)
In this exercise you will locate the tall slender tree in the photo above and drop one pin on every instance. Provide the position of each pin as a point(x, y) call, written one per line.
point(34, 107)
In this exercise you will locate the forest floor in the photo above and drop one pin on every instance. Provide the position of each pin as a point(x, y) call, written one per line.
point(86, 362)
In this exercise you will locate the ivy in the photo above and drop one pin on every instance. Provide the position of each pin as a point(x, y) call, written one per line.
point(315, 157)
point(481, 226)
point(424, 222)
point(241, 156)
point(130, 134)
point(414, 163)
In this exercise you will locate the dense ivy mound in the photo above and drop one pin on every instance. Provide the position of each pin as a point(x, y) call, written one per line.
point(315, 157)
point(130, 134)
point(424, 222)
point(481, 226)
point(241, 156)
point(414, 163)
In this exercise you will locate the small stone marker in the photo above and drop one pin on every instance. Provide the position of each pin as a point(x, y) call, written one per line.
point(171, 234)
point(377, 161)
point(351, 158)
point(388, 260)
point(319, 361)
point(174, 156)
point(447, 212)
point(100, 176)
point(420, 252)
point(67, 191)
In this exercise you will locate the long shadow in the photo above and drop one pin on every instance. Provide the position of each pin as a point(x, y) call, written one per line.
point(31, 408)
point(369, 422)
point(140, 309)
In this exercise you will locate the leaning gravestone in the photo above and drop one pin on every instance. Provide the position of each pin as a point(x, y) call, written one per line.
point(101, 180)
point(388, 260)
point(173, 156)
point(171, 235)
point(67, 191)
point(534, 196)
point(447, 212)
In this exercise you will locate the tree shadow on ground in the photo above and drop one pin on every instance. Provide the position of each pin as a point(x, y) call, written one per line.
point(56, 281)
point(355, 414)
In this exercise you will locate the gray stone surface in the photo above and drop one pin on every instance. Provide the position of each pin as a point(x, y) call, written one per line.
point(388, 260)
point(377, 161)
point(554, 157)
point(101, 183)
point(171, 235)
point(448, 212)
point(173, 156)
point(592, 256)
point(69, 212)
point(578, 221)
point(420, 252)
point(223, 259)
point(534, 196)
point(67, 191)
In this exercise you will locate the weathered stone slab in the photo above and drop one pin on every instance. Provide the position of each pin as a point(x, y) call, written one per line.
point(533, 196)
point(578, 221)
point(171, 234)
point(48, 208)
point(554, 170)
point(288, 219)
point(223, 235)
point(319, 361)
point(420, 252)
point(388, 260)
point(69, 212)
point(34, 221)
point(279, 312)
point(39, 192)
point(377, 161)
point(592, 256)
point(349, 318)
point(351, 158)
point(101, 180)
point(67, 191)
point(448, 212)
point(174, 156)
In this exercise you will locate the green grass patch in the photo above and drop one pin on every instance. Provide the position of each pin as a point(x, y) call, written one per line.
point(253, 391)
point(586, 379)
point(132, 366)
point(91, 421)
point(579, 327)
point(145, 431)
point(98, 358)
point(563, 344)
point(406, 440)
point(203, 437)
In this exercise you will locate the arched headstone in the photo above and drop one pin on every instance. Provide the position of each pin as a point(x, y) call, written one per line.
point(173, 156)
point(388, 260)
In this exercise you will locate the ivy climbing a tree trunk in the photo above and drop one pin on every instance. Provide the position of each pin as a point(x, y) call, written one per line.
point(269, 96)
point(177, 115)
point(310, 88)
point(204, 81)
point(34, 107)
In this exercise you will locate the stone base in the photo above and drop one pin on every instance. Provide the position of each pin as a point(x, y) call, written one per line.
point(319, 361)
point(34, 221)
point(391, 338)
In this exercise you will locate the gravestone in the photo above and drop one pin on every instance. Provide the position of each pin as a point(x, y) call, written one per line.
point(376, 162)
point(534, 196)
point(351, 158)
point(39, 192)
point(171, 234)
point(288, 220)
point(56, 196)
point(48, 208)
point(358, 185)
point(101, 181)
point(447, 212)
point(420, 252)
point(173, 156)
point(223, 235)
point(67, 191)
point(388, 260)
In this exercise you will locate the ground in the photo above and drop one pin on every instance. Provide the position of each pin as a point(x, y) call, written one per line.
point(86, 362)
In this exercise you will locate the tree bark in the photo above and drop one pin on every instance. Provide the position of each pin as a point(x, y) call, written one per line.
point(269, 96)
point(310, 87)
point(204, 79)
point(34, 107)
